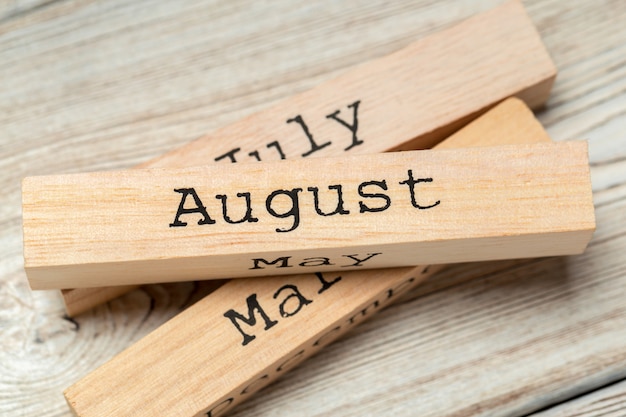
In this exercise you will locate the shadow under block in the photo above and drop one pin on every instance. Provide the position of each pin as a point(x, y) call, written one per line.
point(410, 99)
point(199, 358)
point(291, 217)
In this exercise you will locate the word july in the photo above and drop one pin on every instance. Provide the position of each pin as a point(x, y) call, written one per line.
point(285, 203)
point(312, 144)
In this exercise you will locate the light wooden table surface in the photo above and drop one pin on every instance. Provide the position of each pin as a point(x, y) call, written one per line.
point(94, 85)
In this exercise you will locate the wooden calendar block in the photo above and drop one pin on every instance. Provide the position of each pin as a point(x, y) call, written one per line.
point(291, 217)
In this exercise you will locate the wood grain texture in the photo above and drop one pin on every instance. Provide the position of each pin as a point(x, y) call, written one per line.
point(293, 217)
point(377, 99)
point(107, 85)
point(606, 402)
point(281, 319)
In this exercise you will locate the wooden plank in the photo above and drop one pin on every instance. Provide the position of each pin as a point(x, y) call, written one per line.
point(501, 46)
point(206, 370)
point(605, 402)
point(292, 217)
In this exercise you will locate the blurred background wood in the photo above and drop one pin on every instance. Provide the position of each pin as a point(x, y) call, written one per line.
point(92, 85)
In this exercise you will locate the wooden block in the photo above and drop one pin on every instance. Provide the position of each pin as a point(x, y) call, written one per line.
point(401, 101)
point(197, 363)
point(358, 212)
point(79, 300)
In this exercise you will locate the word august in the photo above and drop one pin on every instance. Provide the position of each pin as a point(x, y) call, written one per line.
point(285, 204)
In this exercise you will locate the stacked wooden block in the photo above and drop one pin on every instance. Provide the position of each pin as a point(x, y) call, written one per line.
point(320, 243)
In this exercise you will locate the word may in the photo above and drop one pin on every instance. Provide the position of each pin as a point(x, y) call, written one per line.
point(293, 302)
point(315, 261)
point(370, 190)
point(286, 309)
